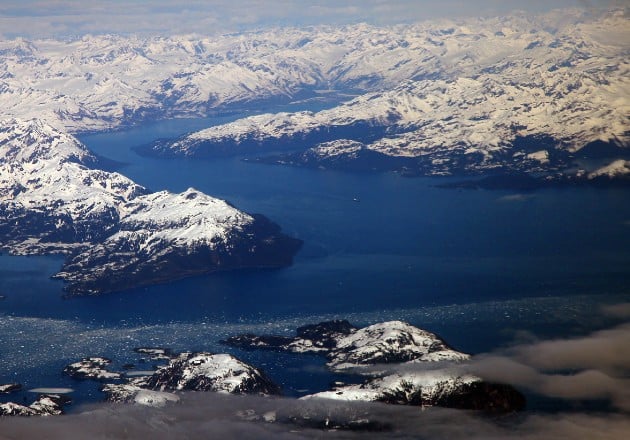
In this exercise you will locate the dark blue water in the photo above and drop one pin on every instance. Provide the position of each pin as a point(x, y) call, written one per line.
point(475, 266)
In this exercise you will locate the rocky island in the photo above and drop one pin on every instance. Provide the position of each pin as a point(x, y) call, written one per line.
point(199, 371)
point(399, 363)
point(45, 405)
point(402, 364)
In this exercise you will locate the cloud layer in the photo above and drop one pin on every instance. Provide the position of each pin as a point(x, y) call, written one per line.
point(43, 18)
point(210, 415)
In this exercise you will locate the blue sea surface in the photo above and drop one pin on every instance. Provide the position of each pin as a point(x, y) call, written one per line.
point(475, 266)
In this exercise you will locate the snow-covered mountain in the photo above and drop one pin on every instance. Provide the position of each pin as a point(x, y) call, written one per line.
point(97, 82)
point(199, 371)
point(403, 364)
point(211, 372)
point(520, 99)
point(116, 234)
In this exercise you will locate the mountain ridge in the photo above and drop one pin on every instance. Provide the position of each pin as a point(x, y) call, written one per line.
point(115, 233)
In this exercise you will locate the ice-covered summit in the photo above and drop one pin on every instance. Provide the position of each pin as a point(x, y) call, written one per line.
point(390, 342)
point(103, 81)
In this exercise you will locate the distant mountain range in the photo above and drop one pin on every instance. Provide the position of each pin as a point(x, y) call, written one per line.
point(502, 97)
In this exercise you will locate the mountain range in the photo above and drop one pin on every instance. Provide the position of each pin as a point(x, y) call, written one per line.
point(542, 96)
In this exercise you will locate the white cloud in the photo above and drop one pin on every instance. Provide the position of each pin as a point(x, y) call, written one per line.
point(39, 18)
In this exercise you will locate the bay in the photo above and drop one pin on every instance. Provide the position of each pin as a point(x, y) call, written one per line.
point(478, 267)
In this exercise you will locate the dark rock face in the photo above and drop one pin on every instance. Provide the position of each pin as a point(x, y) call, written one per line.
point(363, 161)
point(484, 396)
point(211, 372)
point(320, 337)
point(259, 244)
point(326, 334)
point(476, 396)
point(156, 353)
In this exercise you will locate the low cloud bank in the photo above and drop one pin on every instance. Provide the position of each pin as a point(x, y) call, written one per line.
point(596, 366)
point(591, 367)
point(40, 18)
point(208, 415)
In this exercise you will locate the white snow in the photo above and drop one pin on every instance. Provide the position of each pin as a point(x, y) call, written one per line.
point(218, 372)
point(429, 383)
point(541, 156)
point(99, 82)
point(130, 393)
point(43, 169)
point(92, 367)
point(373, 344)
point(614, 169)
point(571, 85)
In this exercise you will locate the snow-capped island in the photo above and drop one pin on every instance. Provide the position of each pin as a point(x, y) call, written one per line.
point(44, 405)
point(188, 371)
point(402, 364)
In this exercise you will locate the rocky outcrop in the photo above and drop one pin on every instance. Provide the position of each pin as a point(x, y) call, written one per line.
point(130, 393)
point(9, 388)
point(199, 371)
point(402, 365)
point(211, 372)
point(347, 347)
point(91, 368)
point(45, 405)
point(320, 338)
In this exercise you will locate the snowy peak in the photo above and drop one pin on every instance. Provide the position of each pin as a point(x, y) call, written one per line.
point(492, 90)
point(98, 82)
point(26, 141)
point(190, 208)
point(211, 372)
point(390, 342)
